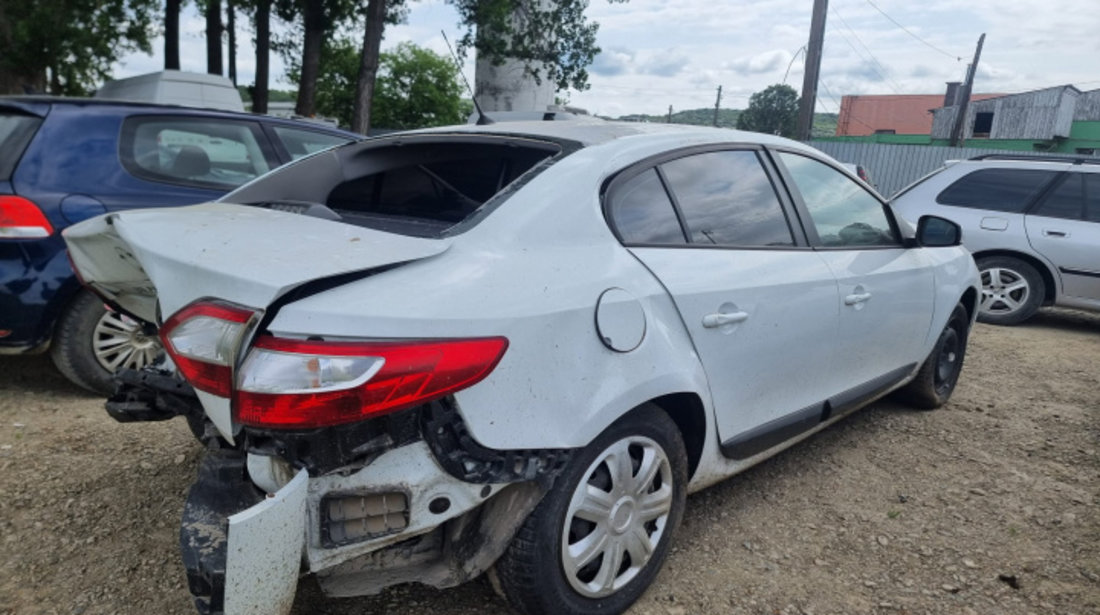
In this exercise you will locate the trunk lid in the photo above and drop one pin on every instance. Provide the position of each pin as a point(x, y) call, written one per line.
point(247, 255)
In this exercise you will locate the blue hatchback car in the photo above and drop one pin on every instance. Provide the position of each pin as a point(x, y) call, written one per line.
point(65, 160)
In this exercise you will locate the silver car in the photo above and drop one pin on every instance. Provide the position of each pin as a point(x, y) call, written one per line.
point(1032, 224)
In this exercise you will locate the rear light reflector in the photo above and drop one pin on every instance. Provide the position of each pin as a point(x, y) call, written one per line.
point(22, 219)
point(203, 339)
point(296, 384)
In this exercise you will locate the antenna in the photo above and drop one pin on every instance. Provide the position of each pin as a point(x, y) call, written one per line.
point(482, 119)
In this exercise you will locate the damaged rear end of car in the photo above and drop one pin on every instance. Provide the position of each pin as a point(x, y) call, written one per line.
point(339, 451)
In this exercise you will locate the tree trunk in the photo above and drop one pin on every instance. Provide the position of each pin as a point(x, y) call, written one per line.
point(214, 37)
point(231, 24)
point(172, 35)
point(314, 21)
point(368, 66)
point(263, 50)
point(23, 82)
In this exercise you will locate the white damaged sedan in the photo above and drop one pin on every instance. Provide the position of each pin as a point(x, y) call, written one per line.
point(513, 349)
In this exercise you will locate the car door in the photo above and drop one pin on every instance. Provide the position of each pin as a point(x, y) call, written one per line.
point(886, 291)
point(1065, 228)
point(759, 304)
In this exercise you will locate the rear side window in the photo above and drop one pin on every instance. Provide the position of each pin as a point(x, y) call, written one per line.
point(16, 131)
point(1005, 190)
point(206, 153)
point(1092, 197)
point(727, 199)
point(299, 143)
point(1065, 201)
point(642, 212)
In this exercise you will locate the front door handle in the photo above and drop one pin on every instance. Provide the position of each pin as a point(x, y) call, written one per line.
point(1053, 233)
point(711, 321)
point(856, 298)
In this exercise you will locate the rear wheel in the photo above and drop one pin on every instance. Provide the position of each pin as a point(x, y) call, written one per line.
point(938, 376)
point(91, 343)
point(597, 540)
point(1012, 290)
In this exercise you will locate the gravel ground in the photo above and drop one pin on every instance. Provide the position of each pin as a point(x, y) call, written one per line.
point(987, 506)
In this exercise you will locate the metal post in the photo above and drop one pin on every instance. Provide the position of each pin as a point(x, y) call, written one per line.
point(717, 102)
point(813, 69)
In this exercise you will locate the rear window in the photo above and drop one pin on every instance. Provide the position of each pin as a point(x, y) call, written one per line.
point(1006, 190)
point(424, 189)
point(16, 131)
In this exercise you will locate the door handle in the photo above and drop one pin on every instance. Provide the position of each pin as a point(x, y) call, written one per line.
point(856, 298)
point(711, 321)
point(1052, 233)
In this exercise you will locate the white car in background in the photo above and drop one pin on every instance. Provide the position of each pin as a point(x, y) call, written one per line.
point(514, 348)
point(1032, 223)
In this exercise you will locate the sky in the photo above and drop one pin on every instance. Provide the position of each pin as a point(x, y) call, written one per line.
point(657, 53)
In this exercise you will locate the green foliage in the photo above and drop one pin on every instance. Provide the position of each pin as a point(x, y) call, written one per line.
point(75, 42)
point(553, 39)
point(415, 88)
point(773, 111)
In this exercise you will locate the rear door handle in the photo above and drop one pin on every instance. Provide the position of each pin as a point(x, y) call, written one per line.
point(711, 321)
point(856, 298)
point(1053, 233)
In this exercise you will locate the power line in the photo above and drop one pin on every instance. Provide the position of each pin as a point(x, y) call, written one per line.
point(884, 74)
point(907, 31)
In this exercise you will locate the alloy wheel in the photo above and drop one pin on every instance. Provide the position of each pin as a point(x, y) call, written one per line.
point(1004, 291)
point(119, 341)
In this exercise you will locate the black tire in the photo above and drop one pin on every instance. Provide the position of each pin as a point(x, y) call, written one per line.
point(81, 326)
point(939, 374)
point(1012, 290)
point(532, 571)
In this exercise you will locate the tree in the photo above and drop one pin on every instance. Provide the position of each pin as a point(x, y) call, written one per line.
point(415, 88)
point(68, 46)
point(551, 37)
point(172, 34)
point(368, 66)
point(213, 12)
point(773, 111)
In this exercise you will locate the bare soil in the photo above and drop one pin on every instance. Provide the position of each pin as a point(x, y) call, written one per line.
point(987, 506)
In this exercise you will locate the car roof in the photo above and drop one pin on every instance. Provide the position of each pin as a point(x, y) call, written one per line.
point(594, 131)
point(30, 103)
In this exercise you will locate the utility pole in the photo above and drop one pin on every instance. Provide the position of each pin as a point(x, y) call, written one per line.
point(669, 115)
point(813, 69)
point(964, 104)
point(717, 102)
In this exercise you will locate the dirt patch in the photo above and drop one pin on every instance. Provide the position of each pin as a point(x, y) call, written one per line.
point(986, 506)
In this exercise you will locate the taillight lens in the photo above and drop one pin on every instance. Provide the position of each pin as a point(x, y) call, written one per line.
point(22, 219)
point(288, 384)
point(203, 339)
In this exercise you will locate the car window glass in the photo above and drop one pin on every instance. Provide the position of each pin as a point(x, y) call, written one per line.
point(1092, 196)
point(1007, 190)
point(642, 212)
point(1065, 201)
point(206, 153)
point(16, 130)
point(842, 211)
point(727, 199)
point(299, 143)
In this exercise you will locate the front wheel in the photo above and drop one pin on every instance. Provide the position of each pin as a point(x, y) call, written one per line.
point(1012, 290)
point(938, 376)
point(597, 540)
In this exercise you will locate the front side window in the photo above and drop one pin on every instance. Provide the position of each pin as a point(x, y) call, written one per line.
point(727, 199)
point(299, 143)
point(1005, 190)
point(642, 212)
point(843, 213)
point(202, 153)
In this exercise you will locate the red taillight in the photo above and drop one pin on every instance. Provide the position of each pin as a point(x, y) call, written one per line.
point(287, 384)
point(21, 219)
point(203, 339)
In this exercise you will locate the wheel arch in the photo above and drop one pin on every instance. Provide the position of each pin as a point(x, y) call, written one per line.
point(969, 300)
point(1050, 282)
point(689, 414)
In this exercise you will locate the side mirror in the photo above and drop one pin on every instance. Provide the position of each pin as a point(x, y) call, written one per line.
point(937, 232)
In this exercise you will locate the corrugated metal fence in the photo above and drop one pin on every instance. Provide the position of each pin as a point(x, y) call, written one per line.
point(893, 167)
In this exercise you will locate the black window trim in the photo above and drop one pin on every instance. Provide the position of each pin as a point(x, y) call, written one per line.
point(806, 220)
point(126, 155)
point(616, 181)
